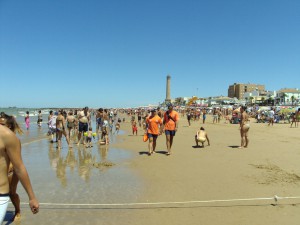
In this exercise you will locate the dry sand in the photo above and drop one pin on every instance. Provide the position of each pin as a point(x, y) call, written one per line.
point(270, 166)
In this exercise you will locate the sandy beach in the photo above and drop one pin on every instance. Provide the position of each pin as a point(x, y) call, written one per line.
point(246, 180)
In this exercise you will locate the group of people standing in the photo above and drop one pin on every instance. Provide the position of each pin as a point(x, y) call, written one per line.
point(79, 126)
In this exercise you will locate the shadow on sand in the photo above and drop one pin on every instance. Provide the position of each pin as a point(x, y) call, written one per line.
point(156, 152)
point(9, 216)
point(233, 146)
point(199, 146)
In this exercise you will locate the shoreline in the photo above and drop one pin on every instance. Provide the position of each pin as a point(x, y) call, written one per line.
point(217, 172)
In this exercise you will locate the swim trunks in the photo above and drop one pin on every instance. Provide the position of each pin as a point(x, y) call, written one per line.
point(247, 125)
point(170, 132)
point(83, 127)
point(201, 139)
point(4, 198)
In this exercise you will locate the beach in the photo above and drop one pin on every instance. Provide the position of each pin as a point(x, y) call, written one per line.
point(218, 184)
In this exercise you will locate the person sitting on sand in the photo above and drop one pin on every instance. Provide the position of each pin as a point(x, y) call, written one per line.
point(201, 136)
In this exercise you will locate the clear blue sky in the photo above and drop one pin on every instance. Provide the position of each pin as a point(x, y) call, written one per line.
point(118, 53)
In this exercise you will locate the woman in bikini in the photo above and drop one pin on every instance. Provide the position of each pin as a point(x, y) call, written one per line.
point(244, 127)
point(70, 124)
point(60, 128)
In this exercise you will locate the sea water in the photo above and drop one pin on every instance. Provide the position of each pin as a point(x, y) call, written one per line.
point(75, 175)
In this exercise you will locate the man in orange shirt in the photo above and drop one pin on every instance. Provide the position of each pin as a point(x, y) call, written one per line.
point(170, 122)
point(154, 124)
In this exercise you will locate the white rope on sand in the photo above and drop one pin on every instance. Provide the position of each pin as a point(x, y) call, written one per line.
point(275, 198)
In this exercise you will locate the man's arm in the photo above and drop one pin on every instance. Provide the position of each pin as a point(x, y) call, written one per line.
point(13, 150)
point(177, 121)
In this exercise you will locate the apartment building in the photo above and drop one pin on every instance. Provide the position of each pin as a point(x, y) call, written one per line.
point(238, 90)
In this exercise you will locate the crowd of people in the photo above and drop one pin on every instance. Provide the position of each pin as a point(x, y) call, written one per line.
point(76, 128)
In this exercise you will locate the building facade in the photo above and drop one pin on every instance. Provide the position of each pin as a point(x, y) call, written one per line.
point(289, 96)
point(238, 90)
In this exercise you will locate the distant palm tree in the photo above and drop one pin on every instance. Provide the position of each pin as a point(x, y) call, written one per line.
point(262, 100)
point(271, 100)
point(284, 96)
point(251, 99)
point(293, 99)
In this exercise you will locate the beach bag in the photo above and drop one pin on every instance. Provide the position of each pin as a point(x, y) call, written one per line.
point(145, 137)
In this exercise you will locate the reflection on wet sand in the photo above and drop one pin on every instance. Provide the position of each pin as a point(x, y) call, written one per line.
point(58, 164)
point(103, 163)
point(84, 161)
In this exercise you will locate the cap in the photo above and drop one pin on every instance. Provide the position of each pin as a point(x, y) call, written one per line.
point(153, 110)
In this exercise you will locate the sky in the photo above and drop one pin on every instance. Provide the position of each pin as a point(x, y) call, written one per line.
point(118, 53)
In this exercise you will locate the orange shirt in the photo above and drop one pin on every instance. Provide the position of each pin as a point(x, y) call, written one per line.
point(153, 124)
point(169, 123)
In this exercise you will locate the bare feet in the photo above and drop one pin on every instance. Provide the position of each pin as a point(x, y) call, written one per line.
point(16, 202)
point(17, 217)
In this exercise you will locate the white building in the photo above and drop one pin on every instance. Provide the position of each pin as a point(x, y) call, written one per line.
point(289, 96)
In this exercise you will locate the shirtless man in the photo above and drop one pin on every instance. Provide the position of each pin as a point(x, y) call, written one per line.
point(244, 127)
point(99, 121)
point(201, 136)
point(83, 123)
point(10, 152)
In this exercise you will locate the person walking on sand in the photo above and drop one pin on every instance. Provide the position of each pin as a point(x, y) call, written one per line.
point(271, 117)
point(201, 136)
point(244, 127)
point(52, 126)
point(154, 128)
point(170, 122)
point(134, 128)
point(10, 152)
point(203, 116)
point(71, 121)
point(99, 121)
point(189, 116)
point(61, 130)
point(27, 120)
point(11, 123)
point(83, 124)
point(40, 119)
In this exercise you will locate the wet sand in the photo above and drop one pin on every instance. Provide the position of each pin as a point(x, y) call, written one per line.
point(270, 166)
